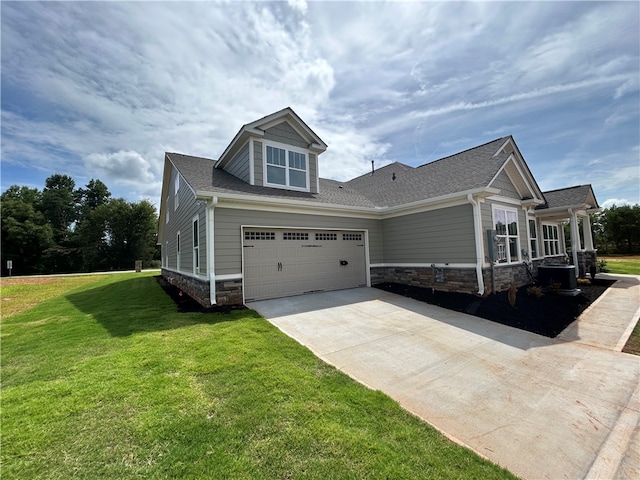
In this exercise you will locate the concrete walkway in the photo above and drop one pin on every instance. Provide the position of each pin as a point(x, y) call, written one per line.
point(543, 408)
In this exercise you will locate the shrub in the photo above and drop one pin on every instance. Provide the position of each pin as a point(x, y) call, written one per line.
point(535, 291)
point(602, 266)
point(512, 295)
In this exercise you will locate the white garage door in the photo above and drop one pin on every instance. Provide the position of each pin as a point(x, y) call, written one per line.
point(281, 263)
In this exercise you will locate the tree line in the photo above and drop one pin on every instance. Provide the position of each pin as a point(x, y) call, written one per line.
point(64, 229)
point(617, 229)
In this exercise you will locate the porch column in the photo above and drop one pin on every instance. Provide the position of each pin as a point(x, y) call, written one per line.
point(586, 233)
point(575, 240)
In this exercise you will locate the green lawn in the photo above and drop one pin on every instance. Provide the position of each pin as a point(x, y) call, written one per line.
point(105, 380)
point(628, 264)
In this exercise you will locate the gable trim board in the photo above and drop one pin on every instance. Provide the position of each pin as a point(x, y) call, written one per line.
point(415, 221)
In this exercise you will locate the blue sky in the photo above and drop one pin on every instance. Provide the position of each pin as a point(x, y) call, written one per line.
point(102, 90)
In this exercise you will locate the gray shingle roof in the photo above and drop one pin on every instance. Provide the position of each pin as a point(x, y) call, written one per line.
point(567, 197)
point(392, 185)
point(471, 169)
point(202, 176)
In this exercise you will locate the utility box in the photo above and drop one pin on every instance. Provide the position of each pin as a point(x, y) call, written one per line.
point(138, 265)
point(561, 278)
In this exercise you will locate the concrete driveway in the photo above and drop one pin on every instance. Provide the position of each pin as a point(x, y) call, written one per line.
point(542, 408)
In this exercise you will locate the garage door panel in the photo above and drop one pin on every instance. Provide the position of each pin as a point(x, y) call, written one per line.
point(292, 262)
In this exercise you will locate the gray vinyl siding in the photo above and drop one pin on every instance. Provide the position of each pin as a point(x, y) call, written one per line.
point(438, 236)
point(228, 222)
point(507, 189)
point(257, 163)
point(181, 220)
point(239, 166)
point(284, 133)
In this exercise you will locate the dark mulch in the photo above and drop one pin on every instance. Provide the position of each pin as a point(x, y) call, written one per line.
point(186, 304)
point(547, 315)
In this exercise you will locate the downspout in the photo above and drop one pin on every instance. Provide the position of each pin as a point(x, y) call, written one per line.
point(477, 227)
point(211, 267)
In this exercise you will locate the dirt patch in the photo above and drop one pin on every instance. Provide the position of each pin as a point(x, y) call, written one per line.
point(547, 315)
point(186, 304)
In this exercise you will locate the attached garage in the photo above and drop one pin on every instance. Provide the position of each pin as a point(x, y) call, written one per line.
point(279, 262)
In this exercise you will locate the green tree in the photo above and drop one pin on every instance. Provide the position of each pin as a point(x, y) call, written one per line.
point(25, 231)
point(129, 231)
point(58, 205)
point(622, 228)
point(89, 229)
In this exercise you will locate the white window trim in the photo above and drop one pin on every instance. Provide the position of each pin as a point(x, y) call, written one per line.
point(196, 249)
point(537, 253)
point(550, 241)
point(287, 149)
point(507, 236)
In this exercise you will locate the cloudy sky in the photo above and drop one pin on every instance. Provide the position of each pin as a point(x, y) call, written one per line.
point(102, 90)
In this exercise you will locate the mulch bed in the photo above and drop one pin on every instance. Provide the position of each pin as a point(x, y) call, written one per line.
point(547, 315)
point(186, 304)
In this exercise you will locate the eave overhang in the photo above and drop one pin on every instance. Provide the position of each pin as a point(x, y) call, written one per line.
point(303, 206)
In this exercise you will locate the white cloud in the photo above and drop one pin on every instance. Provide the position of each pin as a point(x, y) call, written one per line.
point(382, 81)
point(618, 202)
point(300, 5)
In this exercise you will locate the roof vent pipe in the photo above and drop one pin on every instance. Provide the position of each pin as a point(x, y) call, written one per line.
point(393, 176)
point(372, 167)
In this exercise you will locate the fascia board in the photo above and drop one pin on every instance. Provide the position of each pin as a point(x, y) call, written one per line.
point(302, 206)
point(443, 199)
point(524, 163)
point(240, 139)
point(556, 210)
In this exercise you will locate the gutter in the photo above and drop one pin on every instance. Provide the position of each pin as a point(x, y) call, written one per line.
point(477, 226)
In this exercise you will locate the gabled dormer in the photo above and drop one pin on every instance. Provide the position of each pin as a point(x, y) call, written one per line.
point(278, 151)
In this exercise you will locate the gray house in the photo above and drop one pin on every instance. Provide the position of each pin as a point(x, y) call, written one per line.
point(261, 223)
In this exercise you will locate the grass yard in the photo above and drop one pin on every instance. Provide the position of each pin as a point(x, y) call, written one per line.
point(103, 379)
point(627, 264)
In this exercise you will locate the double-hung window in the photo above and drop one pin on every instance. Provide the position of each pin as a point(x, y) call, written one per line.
point(505, 221)
point(551, 240)
point(286, 168)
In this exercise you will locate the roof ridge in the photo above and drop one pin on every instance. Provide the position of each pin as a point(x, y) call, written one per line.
point(463, 151)
point(378, 169)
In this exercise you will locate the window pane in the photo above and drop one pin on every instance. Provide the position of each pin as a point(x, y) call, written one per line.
point(196, 239)
point(275, 156)
point(276, 175)
point(512, 220)
point(297, 160)
point(513, 249)
point(297, 179)
point(501, 222)
point(532, 229)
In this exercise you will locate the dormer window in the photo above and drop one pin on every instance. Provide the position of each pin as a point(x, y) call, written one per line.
point(286, 167)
